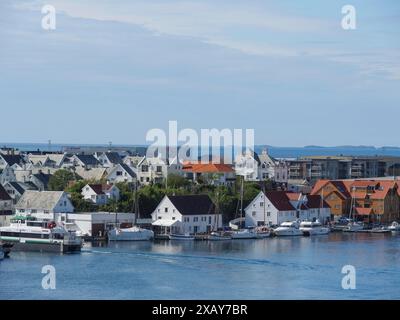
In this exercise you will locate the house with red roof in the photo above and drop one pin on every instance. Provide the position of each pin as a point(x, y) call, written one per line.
point(212, 173)
point(277, 207)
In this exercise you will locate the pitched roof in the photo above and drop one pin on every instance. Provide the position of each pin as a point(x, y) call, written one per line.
point(12, 159)
point(91, 174)
point(280, 200)
point(316, 202)
point(207, 168)
point(3, 194)
point(97, 188)
point(128, 170)
point(193, 204)
point(113, 157)
point(87, 159)
point(44, 200)
point(293, 196)
point(22, 186)
point(43, 178)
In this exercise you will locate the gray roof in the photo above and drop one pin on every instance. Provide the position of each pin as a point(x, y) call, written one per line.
point(21, 187)
point(87, 159)
point(45, 200)
point(128, 170)
point(12, 159)
point(113, 157)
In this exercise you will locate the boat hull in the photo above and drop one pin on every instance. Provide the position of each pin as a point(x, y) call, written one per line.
point(288, 233)
point(134, 235)
point(46, 247)
point(181, 238)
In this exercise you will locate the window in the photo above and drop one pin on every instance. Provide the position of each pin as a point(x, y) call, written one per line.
point(33, 211)
point(209, 220)
point(159, 169)
point(166, 210)
point(268, 214)
point(147, 179)
point(261, 204)
point(173, 218)
point(195, 219)
point(119, 173)
point(254, 214)
point(145, 168)
point(141, 179)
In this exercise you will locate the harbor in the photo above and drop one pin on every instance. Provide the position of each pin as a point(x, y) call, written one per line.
point(274, 268)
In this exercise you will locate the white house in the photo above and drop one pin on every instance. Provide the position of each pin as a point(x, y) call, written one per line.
point(6, 175)
point(276, 207)
point(186, 214)
point(6, 204)
point(87, 161)
point(121, 173)
point(272, 208)
point(255, 167)
point(108, 159)
point(100, 194)
point(15, 161)
point(44, 204)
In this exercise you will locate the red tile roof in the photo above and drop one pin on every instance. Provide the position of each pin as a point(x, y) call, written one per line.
point(207, 168)
point(280, 200)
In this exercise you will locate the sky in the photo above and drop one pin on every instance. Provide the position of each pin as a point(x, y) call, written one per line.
point(113, 70)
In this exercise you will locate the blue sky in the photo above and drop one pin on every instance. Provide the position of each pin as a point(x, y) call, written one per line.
point(112, 70)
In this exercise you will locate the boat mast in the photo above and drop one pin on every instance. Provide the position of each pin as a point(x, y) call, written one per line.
point(136, 205)
point(241, 197)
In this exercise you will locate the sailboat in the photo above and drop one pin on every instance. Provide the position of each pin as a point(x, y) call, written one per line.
point(243, 233)
point(353, 226)
point(134, 233)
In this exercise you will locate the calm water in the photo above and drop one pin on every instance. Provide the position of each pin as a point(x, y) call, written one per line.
point(296, 268)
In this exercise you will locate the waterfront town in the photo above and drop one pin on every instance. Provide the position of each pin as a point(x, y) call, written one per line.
point(122, 194)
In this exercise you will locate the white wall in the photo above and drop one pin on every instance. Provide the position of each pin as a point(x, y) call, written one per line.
point(257, 211)
point(189, 222)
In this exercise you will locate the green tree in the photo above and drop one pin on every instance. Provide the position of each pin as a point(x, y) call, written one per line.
point(176, 181)
point(61, 179)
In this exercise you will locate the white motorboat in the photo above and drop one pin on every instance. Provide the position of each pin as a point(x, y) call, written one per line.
point(310, 228)
point(130, 234)
point(395, 226)
point(184, 237)
point(244, 234)
point(353, 227)
point(288, 229)
point(26, 233)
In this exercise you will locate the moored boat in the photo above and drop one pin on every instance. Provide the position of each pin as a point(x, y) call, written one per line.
point(311, 228)
point(244, 234)
point(288, 229)
point(395, 226)
point(380, 229)
point(219, 236)
point(130, 234)
point(184, 237)
point(263, 232)
point(353, 227)
point(26, 233)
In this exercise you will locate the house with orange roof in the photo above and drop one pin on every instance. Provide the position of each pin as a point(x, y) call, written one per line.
point(212, 173)
point(375, 200)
